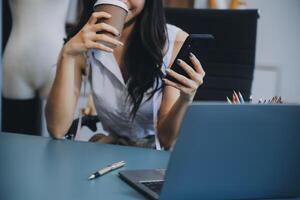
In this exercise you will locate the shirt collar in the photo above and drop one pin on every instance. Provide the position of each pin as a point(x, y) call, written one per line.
point(108, 60)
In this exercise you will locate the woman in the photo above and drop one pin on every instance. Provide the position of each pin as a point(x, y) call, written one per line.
point(132, 100)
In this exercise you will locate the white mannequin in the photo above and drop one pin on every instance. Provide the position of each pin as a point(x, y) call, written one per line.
point(33, 47)
point(29, 60)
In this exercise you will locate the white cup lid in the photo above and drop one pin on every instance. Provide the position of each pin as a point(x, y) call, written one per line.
point(118, 3)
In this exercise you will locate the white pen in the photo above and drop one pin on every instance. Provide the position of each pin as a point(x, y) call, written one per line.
point(107, 169)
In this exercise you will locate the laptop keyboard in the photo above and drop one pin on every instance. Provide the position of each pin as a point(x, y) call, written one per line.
point(155, 186)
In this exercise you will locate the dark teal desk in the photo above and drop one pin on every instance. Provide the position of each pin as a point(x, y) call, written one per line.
point(36, 168)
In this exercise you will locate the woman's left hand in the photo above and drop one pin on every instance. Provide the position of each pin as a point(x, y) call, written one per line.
point(187, 85)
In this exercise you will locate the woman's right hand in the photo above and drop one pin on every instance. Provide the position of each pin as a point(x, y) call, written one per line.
point(88, 38)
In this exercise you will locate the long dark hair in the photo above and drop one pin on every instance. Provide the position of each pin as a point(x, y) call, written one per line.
point(143, 56)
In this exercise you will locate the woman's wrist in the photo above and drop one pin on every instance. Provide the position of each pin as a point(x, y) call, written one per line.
point(67, 59)
point(72, 48)
point(66, 53)
point(185, 99)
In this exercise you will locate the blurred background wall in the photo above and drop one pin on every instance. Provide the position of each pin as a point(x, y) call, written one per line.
point(278, 48)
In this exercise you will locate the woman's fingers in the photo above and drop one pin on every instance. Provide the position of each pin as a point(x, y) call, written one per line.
point(93, 40)
point(107, 39)
point(175, 85)
point(187, 85)
point(180, 78)
point(97, 45)
point(98, 15)
point(197, 73)
point(188, 69)
point(197, 65)
point(105, 27)
point(88, 38)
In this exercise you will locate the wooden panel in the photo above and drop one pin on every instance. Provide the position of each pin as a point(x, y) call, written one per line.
point(179, 3)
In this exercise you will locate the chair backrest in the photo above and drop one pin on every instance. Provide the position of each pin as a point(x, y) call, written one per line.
point(230, 65)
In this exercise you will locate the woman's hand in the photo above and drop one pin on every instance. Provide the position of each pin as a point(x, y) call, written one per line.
point(187, 85)
point(88, 38)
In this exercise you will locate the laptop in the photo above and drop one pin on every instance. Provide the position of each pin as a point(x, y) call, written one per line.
point(229, 152)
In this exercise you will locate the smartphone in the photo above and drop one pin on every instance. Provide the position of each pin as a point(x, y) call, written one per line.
point(198, 44)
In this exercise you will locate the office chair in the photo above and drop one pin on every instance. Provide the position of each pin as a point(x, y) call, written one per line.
point(230, 65)
point(89, 121)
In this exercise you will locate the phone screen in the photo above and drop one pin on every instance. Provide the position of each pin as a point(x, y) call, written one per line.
point(195, 43)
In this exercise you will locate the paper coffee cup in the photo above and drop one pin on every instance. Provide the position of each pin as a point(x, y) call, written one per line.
point(118, 10)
